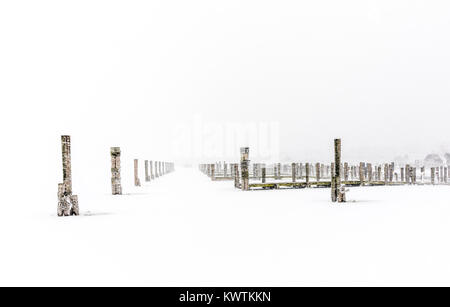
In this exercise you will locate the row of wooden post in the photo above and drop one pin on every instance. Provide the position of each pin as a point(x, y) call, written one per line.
point(365, 173)
point(153, 170)
point(68, 203)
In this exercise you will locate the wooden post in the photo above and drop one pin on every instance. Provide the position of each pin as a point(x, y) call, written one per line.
point(67, 163)
point(386, 174)
point(307, 174)
point(433, 174)
point(245, 151)
point(237, 183)
point(67, 203)
point(293, 172)
point(369, 173)
point(152, 176)
point(339, 191)
point(407, 174)
point(263, 173)
point(137, 182)
point(361, 173)
point(402, 174)
point(116, 185)
point(317, 172)
point(213, 172)
point(146, 171)
point(391, 172)
point(445, 175)
point(333, 183)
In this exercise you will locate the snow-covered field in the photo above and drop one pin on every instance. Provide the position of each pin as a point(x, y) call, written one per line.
point(184, 230)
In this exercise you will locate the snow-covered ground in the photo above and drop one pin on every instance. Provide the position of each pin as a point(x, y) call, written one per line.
point(184, 230)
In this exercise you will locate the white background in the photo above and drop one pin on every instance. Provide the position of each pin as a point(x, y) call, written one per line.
point(123, 73)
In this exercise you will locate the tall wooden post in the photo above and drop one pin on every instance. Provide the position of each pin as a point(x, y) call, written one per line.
point(293, 170)
point(433, 174)
point(137, 182)
point(67, 203)
point(263, 173)
point(67, 163)
point(152, 176)
point(237, 183)
point(361, 173)
point(407, 174)
point(147, 178)
point(307, 174)
point(116, 185)
point(245, 151)
point(386, 174)
point(333, 183)
point(213, 172)
point(338, 192)
point(391, 172)
point(318, 172)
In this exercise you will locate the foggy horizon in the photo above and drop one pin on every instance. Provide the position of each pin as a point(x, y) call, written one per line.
point(373, 73)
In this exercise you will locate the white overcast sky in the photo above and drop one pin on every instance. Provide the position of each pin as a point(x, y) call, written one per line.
point(121, 73)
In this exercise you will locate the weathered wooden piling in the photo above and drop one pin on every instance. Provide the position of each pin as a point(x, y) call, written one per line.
point(236, 176)
point(337, 191)
point(386, 174)
point(369, 172)
point(318, 172)
point(152, 176)
point(361, 173)
point(116, 185)
point(67, 203)
point(263, 173)
point(407, 174)
point(147, 177)
point(245, 151)
point(294, 174)
point(307, 174)
point(213, 172)
point(391, 172)
point(137, 182)
point(67, 163)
